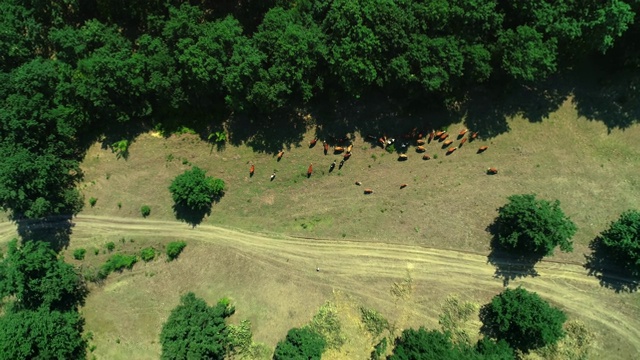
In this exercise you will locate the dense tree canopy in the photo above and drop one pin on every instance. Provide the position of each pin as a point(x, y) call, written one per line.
point(522, 319)
point(194, 190)
point(195, 330)
point(622, 240)
point(528, 225)
point(300, 344)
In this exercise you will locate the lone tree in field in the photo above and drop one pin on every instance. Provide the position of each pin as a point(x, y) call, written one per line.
point(195, 330)
point(531, 226)
point(300, 344)
point(522, 319)
point(622, 241)
point(196, 191)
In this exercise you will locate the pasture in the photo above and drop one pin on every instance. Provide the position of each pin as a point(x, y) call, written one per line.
point(366, 243)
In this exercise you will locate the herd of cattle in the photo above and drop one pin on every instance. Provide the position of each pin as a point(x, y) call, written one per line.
point(420, 139)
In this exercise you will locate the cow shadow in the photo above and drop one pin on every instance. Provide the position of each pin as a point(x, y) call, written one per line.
point(510, 263)
point(605, 266)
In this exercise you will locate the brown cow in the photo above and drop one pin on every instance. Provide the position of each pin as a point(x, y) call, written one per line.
point(326, 147)
point(252, 169)
point(368, 191)
point(402, 157)
point(474, 136)
point(463, 141)
point(280, 154)
point(403, 186)
point(420, 149)
point(431, 134)
point(347, 156)
point(349, 148)
point(451, 150)
point(381, 142)
point(338, 149)
point(310, 170)
point(313, 142)
point(439, 133)
point(444, 136)
point(492, 171)
point(426, 157)
point(447, 143)
point(420, 142)
point(462, 132)
point(482, 149)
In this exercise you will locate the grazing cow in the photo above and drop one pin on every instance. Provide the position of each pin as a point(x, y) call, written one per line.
point(333, 165)
point(444, 136)
point(381, 141)
point(447, 143)
point(326, 147)
point(474, 136)
point(280, 154)
point(420, 135)
point(341, 164)
point(338, 149)
point(463, 141)
point(358, 183)
point(347, 156)
point(402, 157)
point(349, 148)
point(313, 142)
point(420, 149)
point(420, 142)
point(403, 186)
point(310, 170)
point(426, 157)
point(368, 191)
point(492, 171)
point(431, 134)
point(439, 133)
point(462, 132)
point(482, 149)
point(252, 169)
point(273, 176)
point(451, 150)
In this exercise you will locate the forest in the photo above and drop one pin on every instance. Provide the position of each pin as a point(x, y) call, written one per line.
point(73, 72)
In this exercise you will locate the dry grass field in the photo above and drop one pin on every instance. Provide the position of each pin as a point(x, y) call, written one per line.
point(263, 241)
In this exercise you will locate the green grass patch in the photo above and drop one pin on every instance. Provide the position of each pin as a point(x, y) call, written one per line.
point(117, 262)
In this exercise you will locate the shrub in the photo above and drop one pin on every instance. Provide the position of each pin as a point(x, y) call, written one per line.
point(390, 149)
point(373, 321)
point(145, 210)
point(78, 254)
point(147, 254)
point(174, 249)
point(300, 344)
point(111, 246)
point(93, 201)
point(622, 240)
point(194, 190)
point(117, 262)
point(532, 226)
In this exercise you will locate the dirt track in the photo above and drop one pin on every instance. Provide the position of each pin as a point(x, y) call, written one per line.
point(354, 266)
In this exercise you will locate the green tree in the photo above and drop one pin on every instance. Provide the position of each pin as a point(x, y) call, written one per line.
point(522, 319)
point(526, 55)
point(622, 240)
point(41, 334)
point(528, 225)
point(495, 350)
point(300, 344)
point(195, 330)
point(194, 190)
point(18, 35)
point(425, 345)
point(35, 276)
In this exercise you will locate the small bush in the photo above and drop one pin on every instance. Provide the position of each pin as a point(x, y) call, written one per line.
point(111, 246)
point(96, 251)
point(373, 321)
point(93, 201)
point(78, 254)
point(147, 254)
point(117, 262)
point(119, 205)
point(391, 148)
point(174, 249)
point(145, 210)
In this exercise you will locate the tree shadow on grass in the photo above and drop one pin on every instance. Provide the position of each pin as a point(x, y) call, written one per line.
point(511, 264)
point(190, 216)
point(56, 230)
point(605, 266)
